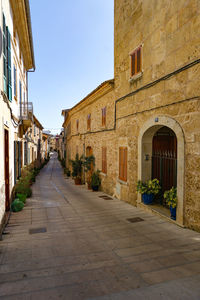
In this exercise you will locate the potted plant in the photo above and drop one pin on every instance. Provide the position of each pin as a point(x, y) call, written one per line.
point(95, 180)
point(89, 163)
point(77, 165)
point(148, 189)
point(171, 199)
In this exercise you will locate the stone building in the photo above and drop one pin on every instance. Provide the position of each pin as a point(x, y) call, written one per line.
point(151, 108)
point(16, 112)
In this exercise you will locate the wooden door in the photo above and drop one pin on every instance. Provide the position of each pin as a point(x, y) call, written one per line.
point(164, 158)
point(6, 170)
point(89, 152)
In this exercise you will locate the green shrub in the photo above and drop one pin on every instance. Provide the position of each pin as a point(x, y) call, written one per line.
point(21, 197)
point(17, 205)
point(23, 189)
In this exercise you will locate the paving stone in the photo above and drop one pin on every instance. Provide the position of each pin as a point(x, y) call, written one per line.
point(90, 249)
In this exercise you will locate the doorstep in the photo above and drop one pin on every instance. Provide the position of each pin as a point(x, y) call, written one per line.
point(160, 211)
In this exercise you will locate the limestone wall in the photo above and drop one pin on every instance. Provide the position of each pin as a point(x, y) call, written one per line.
point(168, 87)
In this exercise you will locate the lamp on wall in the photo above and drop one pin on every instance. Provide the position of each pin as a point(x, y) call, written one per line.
point(146, 157)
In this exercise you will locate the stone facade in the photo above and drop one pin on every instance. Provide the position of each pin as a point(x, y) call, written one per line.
point(165, 93)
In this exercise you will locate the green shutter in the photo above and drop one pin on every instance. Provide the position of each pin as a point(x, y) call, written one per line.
point(9, 78)
point(4, 56)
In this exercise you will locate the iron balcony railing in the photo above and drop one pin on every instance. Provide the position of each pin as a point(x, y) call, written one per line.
point(26, 111)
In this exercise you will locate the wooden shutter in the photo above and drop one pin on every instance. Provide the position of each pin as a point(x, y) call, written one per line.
point(123, 163)
point(104, 116)
point(15, 80)
point(15, 161)
point(133, 64)
point(89, 122)
point(19, 158)
point(104, 160)
point(138, 60)
point(9, 94)
point(4, 56)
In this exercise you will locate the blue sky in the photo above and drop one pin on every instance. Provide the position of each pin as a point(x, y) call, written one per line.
point(74, 53)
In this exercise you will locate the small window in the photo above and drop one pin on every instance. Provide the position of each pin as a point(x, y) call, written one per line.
point(104, 160)
point(123, 163)
point(103, 116)
point(89, 122)
point(136, 61)
point(77, 125)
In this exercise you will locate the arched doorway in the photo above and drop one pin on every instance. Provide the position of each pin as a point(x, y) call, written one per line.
point(162, 138)
point(164, 158)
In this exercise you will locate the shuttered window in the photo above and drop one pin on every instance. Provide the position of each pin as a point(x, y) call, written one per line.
point(104, 160)
point(123, 163)
point(15, 81)
point(103, 122)
point(77, 125)
point(7, 79)
point(136, 61)
point(89, 122)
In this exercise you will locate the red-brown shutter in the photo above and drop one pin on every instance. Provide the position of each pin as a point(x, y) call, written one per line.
point(138, 60)
point(104, 116)
point(89, 121)
point(123, 163)
point(104, 160)
point(133, 64)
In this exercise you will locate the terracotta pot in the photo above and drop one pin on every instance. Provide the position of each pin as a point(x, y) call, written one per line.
point(77, 180)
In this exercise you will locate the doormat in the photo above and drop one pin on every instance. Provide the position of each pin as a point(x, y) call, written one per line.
point(135, 220)
point(37, 230)
point(106, 197)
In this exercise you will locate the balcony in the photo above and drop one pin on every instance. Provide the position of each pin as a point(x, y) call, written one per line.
point(25, 117)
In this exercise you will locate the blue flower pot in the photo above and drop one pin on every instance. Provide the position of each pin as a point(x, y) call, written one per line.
point(173, 212)
point(147, 198)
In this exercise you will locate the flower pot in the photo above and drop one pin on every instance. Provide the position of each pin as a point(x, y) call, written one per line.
point(173, 212)
point(95, 188)
point(147, 198)
point(77, 180)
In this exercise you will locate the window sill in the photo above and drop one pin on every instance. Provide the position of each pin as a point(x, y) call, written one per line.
point(122, 181)
point(135, 77)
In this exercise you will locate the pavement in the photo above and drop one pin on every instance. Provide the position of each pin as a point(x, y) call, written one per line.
point(70, 243)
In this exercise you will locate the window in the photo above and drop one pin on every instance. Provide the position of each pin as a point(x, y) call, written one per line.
point(103, 122)
point(7, 79)
point(15, 81)
point(89, 122)
point(123, 163)
point(104, 160)
point(77, 125)
point(20, 91)
point(136, 61)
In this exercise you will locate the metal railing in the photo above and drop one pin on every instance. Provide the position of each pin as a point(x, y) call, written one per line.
point(26, 111)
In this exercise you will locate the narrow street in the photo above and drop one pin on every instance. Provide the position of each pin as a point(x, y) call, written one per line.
point(70, 243)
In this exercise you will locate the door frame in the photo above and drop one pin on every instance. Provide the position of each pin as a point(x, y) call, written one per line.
point(144, 167)
point(6, 169)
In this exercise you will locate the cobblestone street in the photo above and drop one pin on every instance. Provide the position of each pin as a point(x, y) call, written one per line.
point(70, 243)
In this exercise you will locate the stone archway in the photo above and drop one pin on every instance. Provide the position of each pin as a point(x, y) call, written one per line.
point(145, 140)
